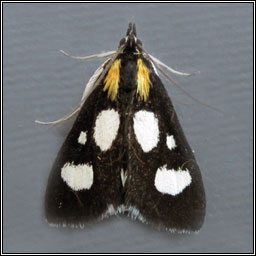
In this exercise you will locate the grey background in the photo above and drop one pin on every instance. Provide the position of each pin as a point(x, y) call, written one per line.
point(40, 83)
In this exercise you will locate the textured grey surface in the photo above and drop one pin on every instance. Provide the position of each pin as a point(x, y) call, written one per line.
point(40, 83)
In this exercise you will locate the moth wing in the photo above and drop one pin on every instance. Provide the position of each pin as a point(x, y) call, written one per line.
point(163, 185)
point(84, 183)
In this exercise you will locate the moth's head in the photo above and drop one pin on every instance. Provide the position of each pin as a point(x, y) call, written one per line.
point(130, 42)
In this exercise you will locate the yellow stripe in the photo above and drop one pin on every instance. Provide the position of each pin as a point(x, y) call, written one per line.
point(143, 80)
point(112, 80)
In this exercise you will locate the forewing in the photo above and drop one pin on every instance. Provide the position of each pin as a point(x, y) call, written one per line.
point(164, 185)
point(84, 183)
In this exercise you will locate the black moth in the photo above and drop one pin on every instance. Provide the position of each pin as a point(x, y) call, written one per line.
point(126, 152)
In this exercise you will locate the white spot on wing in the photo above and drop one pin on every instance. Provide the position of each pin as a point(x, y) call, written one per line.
point(106, 127)
point(123, 177)
point(146, 129)
point(171, 181)
point(78, 177)
point(82, 138)
point(171, 144)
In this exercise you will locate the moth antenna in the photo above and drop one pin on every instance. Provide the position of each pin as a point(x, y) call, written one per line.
point(99, 55)
point(160, 63)
point(90, 86)
point(178, 85)
point(77, 109)
point(186, 92)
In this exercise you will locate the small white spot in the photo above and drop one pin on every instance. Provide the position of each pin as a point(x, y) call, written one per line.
point(78, 177)
point(82, 138)
point(123, 177)
point(106, 127)
point(171, 181)
point(146, 129)
point(170, 141)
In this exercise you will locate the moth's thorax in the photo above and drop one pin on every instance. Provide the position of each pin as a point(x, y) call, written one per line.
point(129, 72)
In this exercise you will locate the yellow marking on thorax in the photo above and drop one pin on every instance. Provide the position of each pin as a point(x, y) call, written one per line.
point(112, 80)
point(143, 80)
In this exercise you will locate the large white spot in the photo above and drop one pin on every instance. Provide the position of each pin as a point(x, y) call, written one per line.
point(106, 127)
point(77, 177)
point(171, 144)
point(82, 138)
point(146, 129)
point(171, 181)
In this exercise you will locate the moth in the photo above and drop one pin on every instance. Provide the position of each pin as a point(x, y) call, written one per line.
point(126, 152)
